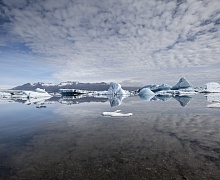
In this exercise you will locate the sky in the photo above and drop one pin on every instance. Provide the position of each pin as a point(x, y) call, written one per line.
point(133, 42)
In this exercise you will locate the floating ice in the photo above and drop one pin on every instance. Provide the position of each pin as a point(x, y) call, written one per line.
point(146, 94)
point(215, 105)
point(212, 87)
point(115, 89)
point(116, 113)
point(182, 84)
point(37, 93)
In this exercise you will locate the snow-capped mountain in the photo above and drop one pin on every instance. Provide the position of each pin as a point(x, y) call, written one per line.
point(51, 87)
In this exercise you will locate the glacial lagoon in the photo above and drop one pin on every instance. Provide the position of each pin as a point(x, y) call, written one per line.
point(69, 138)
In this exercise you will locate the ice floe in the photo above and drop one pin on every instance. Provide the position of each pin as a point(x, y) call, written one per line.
point(214, 105)
point(117, 113)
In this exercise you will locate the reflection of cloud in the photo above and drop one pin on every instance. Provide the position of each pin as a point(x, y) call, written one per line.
point(114, 39)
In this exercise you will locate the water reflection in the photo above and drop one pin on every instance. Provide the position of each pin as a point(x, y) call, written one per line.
point(114, 100)
point(74, 141)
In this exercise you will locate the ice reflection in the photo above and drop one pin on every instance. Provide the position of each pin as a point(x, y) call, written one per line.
point(114, 100)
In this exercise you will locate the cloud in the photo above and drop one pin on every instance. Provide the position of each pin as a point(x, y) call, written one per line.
point(116, 40)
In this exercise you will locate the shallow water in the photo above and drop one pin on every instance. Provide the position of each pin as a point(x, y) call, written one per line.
point(162, 140)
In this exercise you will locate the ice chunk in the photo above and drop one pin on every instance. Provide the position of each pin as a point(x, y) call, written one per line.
point(182, 84)
point(162, 87)
point(116, 113)
point(37, 93)
point(215, 105)
point(145, 92)
point(212, 87)
point(115, 89)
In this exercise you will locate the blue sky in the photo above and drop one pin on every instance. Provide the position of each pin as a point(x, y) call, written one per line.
point(133, 42)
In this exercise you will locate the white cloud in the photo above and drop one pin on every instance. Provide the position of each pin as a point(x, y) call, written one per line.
point(118, 40)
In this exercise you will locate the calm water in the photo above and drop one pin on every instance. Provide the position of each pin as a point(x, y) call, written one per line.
point(70, 139)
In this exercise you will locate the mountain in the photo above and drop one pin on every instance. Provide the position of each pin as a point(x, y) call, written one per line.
point(50, 87)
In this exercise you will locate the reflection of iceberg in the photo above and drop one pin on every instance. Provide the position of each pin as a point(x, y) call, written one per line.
point(215, 105)
point(117, 113)
point(37, 101)
point(146, 97)
point(183, 100)
point(213, 97)
point(115, 100)
point(163, 97)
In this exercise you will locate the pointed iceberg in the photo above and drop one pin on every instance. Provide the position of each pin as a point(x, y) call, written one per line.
point(182, 84)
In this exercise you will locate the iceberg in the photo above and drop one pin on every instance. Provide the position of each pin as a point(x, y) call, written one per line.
point(182, 84)
point(146, 94)
point(115, 89)
point(212, 87)
point(116, 113)
point(37, 93)
point(162, 87)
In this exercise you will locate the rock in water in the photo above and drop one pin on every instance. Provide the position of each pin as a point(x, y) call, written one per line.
point(182, 84)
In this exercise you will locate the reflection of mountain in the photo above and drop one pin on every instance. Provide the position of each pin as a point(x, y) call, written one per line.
point(183, 100)
point(80, 99)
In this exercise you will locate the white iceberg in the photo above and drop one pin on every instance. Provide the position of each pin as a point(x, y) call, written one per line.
point(115, 89)
point(212, 87)
point(37, 93)
point(116, 113)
